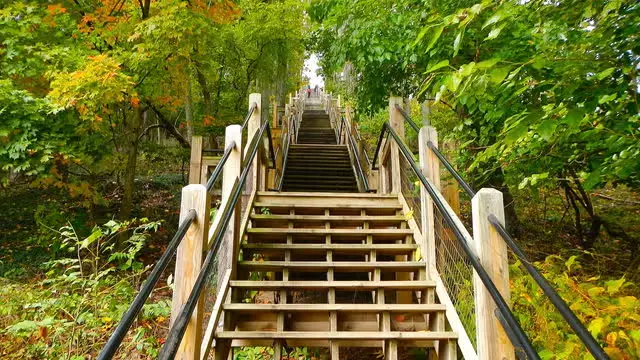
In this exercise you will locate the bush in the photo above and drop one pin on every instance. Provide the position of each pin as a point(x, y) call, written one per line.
point(611, 314)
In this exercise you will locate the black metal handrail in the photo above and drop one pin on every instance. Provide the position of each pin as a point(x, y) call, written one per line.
point(176, 333)
point(219, 167)
point(129, 317)
point(407, 118)
point(354, 150)
point(253, 107)
point(502, 306)
point(465, 186)
point(285, 155)
point(570, 317)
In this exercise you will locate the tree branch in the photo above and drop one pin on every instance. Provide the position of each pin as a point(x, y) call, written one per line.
point(169, 127)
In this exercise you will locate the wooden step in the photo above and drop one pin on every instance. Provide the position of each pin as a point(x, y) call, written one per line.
point(333, 219)
point(338, 335)
point(352, 308)
point(343, 233)
point(338, 285)
point(341, 266)
point(384, 249)
point(273, 205)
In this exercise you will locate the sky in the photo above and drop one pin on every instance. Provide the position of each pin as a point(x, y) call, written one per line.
point(311, 71)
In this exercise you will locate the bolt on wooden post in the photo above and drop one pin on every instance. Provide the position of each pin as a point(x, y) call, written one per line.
point(189, 259)
point(492, 341)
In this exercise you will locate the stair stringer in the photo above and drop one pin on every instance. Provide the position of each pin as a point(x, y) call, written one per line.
point(464, 342)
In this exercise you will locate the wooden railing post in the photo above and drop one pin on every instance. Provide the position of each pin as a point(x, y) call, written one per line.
point(492, 341)
point(195, 163)
point(252, 128)
point(430, 166)
point(189, 259)
point(232, 168)
point(397, 123)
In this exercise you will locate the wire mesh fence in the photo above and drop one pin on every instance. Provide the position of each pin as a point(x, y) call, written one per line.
point(410, 187)
point(456, 273)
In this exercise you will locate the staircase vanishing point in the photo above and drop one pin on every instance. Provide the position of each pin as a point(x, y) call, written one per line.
point(316, 162)
point(332, 267)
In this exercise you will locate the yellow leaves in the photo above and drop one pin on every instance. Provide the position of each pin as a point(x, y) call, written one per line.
point(409, 215)
point(91, 89)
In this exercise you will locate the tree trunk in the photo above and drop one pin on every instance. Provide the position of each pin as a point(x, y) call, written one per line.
point(133, 132)
point(188, 109)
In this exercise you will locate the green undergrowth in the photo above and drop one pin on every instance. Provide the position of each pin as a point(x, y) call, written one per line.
point(70, 307)
point(607, 306)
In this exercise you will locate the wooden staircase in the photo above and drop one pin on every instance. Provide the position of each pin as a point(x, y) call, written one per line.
point(316, 163)
point(332, 270)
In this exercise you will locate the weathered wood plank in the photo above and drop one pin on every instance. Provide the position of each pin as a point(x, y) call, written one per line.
point(361, 308)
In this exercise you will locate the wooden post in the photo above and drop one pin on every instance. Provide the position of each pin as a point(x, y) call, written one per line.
point(189, 259)
point(252, 128)
point(492, 341)
point(196, 160)
point(450, 189)
point(228, 249)
point(397, 123)
point(430, 166)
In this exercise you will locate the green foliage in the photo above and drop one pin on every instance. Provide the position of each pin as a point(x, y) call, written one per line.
point(69, 311)
point(604, 305)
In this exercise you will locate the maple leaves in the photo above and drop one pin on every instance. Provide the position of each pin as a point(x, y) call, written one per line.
point(91, 89)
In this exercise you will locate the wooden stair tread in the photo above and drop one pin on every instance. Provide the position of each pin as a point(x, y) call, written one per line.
point(362, 308)
point(330, 218)
point(346, 266)
point(326, 195)
point(310, 248)
point(338, 335)
point(328, 206)
point(340, 285)
point(337, 232)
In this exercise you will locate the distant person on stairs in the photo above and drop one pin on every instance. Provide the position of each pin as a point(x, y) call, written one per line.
point(308, 91)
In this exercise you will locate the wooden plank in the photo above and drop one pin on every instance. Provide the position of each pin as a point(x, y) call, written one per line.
point(340, 335)
point(334, 205)
point(336, 248)
point(492, 341)
point(207, 340)
point(196, 160)
point(332, 218)
point(189, 257)
point(333, 232)
point(464, 342)
point(340, 285)
point(315, 343)
point(361, 308)
point(344, 266)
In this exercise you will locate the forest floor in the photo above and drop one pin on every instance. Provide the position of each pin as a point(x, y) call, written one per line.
point(43, 314)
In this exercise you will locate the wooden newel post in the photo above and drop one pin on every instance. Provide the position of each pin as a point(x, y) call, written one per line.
point(195, 163)
point(492, 341)
point(430, 166)
point(397, 123)
point(252, 128)
point(189, 259)
point(231, 172)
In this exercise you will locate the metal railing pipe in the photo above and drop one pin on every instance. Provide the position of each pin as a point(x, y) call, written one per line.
point(500, 302)
point(129, 317)
point(452, 171)
point(408, 118)
point(218, 170)
point(246, 119)
point(587, 339)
